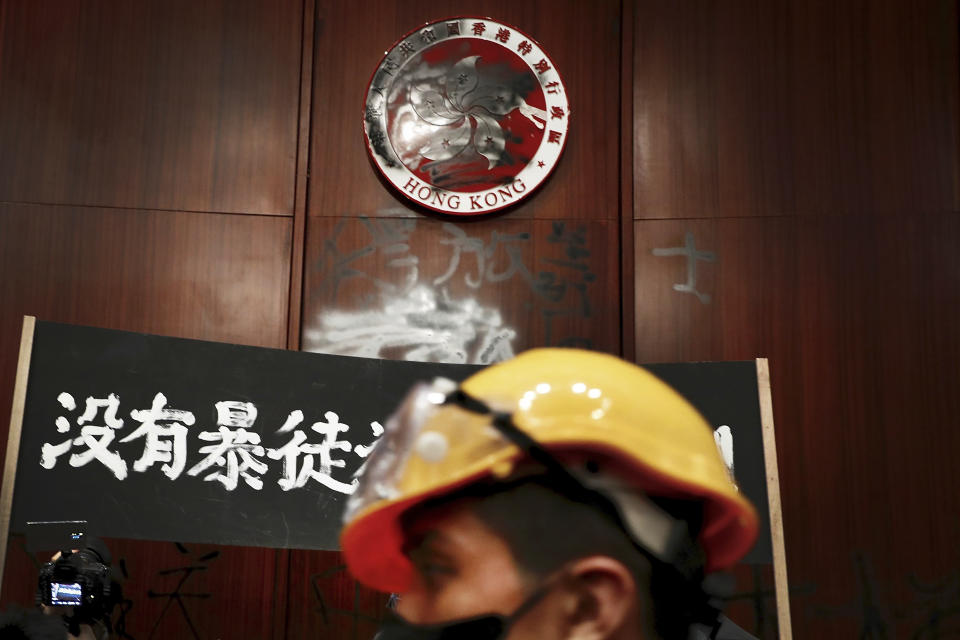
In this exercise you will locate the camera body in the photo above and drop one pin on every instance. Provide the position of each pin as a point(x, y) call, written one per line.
point(79, 579)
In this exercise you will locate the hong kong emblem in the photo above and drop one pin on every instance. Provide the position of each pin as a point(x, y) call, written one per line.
point(466, 116)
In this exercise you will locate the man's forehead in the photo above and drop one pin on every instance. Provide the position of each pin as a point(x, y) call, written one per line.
point(444, 527)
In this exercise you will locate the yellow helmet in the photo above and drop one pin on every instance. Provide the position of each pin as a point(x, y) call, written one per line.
point(580, 406)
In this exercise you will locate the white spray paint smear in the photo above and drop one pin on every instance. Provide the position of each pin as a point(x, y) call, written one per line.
point(427, 328)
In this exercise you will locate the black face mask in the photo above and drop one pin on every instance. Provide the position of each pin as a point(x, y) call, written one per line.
point(491, 626)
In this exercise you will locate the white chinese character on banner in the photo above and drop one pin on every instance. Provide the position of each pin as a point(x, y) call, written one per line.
point(236, 450)
point(364, 451)
point(164, 432)
point(294, 476)
point(96, 437)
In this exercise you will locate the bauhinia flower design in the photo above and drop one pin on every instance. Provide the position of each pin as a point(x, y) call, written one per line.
point(465, 113)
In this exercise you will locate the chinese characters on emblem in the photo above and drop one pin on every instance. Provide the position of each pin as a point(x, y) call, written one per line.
point(230, 451)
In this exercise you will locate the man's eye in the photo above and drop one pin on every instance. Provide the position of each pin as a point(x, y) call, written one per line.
point(431, 568)
point(434, 573)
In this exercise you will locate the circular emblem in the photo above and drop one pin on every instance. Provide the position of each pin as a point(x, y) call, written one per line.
point(466, 116)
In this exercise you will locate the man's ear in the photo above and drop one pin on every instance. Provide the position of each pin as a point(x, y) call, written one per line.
point(603, 599)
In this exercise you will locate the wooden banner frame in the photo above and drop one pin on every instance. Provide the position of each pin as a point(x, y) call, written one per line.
point(773, 499)
point(13, 437)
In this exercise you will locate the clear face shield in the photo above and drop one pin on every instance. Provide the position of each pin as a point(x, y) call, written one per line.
point(417, 447)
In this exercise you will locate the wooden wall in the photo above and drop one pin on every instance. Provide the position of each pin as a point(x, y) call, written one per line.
point(811, 149)
point(148, 158)
point(196, 168)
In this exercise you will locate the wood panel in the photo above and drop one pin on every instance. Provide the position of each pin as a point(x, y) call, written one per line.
point(582, 38)
point(424, 289)
point(164, 105)
point(859, 316)
point(190, 275)
point(749, 108)
point(326, 602)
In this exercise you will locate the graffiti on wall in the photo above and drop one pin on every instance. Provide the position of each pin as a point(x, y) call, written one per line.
point(932, 612)
point(428, 307)
point(693, 255)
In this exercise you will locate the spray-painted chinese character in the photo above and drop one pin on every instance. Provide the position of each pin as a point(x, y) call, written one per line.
point(938, 605)
point(177, 596)
point(690, 251)
point(388, 237)
point(512, 244)
point(164, 432)
point(485, 256)
point(564, 286)
point(462, 243)
point(415, 321)
point(96, 437)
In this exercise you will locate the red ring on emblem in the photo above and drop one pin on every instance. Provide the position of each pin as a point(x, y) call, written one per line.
point(466, 116)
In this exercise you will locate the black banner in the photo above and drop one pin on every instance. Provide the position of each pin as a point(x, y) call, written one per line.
point(159, 438)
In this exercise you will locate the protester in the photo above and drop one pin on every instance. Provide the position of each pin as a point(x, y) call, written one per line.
point(563, 494)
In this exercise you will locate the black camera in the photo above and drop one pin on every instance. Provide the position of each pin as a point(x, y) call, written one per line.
point(78, 579)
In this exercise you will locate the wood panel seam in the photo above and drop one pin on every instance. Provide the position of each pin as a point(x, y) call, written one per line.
point(68, 205)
